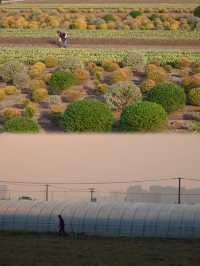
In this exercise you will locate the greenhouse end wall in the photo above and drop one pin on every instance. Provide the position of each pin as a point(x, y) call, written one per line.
point(103, 219)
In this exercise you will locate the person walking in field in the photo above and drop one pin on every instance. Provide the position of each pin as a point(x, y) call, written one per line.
point(61, 225)
point(62, 38)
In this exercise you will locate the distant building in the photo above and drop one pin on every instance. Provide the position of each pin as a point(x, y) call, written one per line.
point(3, 192)
point(159, 194)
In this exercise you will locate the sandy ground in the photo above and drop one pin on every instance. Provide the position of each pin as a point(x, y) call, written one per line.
point(103, 43)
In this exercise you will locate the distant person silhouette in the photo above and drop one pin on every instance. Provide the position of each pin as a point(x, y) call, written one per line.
point(61, 230)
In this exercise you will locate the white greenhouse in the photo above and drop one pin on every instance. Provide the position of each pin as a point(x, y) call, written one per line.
point(103, 219)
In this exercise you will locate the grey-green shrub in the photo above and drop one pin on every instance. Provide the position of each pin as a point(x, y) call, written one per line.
point(21, 80)
point(71, 63)
point(9, 69)
point(123, 94)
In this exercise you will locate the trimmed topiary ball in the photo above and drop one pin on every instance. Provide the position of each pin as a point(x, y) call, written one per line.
point(21, 125)
point(87, 116)
point(51, 61)
point(2, 95)
point(61, 81)
point(143, 116)
point(194, 96)
point(169, 95)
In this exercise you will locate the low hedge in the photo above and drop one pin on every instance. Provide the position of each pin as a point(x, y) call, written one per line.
point(21, 125)
point(143, 116)
point(169, 95)
point(87, 116)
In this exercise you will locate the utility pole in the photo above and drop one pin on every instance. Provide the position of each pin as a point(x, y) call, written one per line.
point(179, 190)
point(92, 199)
point(47, 192)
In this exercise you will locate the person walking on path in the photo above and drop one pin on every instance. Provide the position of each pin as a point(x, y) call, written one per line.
point(61, 230)
point(62, 38)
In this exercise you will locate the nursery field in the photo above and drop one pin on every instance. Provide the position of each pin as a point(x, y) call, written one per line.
point(128, 68)
point(50, 250)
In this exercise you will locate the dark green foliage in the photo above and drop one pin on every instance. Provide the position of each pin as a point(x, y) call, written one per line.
point(60, 81)
point(197, 12)
point(56, 119)
point(108, 18)
point(169, 95)
point(143, 116)
point(87, 116)
point(135, 14)
point(21, 125)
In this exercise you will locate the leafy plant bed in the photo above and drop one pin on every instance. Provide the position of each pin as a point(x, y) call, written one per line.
point(99, 94)
point(102, 34)
point(32, 55)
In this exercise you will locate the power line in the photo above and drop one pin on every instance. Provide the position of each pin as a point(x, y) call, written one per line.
point(87, 183)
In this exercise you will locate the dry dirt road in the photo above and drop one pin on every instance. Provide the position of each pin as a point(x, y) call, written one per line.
point(103, 43)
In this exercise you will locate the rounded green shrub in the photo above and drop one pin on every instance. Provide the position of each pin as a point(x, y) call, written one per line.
point(87, 116)
point(123, 94)
point(60, 81)
point(194, 96)
point(143, 116)
point(169, 95)
point(21, 125)
point(135, 14)
point(197, 12)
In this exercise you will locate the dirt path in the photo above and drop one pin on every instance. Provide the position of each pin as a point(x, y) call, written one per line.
point(103, 43)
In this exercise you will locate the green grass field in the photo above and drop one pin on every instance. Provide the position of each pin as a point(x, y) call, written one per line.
point(49, 250)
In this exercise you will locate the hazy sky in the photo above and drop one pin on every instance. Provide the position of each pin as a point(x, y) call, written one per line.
point(95, 158)
point(98, 157)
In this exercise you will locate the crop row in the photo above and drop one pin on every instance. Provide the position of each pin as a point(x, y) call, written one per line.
point(31, 55)
point(108, 34)
point(104, 20)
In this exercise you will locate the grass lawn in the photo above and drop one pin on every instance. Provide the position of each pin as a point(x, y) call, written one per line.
point(50, 250)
